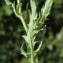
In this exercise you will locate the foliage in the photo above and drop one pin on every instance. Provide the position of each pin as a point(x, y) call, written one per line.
point(34, 26)
point(9, 47)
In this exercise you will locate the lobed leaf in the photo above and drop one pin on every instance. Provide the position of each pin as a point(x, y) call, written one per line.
point(45, 11)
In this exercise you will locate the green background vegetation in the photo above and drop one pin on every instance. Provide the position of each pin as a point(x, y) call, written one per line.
point(11, 30)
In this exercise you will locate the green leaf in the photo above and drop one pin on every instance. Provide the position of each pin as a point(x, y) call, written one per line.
point(28, 12)
point(14, 9)
point(33, 14)
point(39, 48)
point(27, 39)
point(45, 11)
point(8, 2)
point(23, 52)
point(19, 5)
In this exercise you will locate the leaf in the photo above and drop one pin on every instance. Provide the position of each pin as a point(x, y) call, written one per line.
point(43, 31)
point(8, 2)
point(23, 52)
point(14, 9)
point(33, 14)
point(17, 8)
point(26, 38)
point(28, 12)
point(34, 43)
point(45, 11)
point(39, 48)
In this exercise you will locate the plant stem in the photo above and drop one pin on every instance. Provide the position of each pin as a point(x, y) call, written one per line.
point(21, 18)
point(24, 24)
point(32, 58)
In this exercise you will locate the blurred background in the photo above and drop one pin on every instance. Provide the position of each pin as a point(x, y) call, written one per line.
point(11, 30)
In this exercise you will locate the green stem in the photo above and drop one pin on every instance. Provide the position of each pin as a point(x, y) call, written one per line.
point(32, 59)
point(24, 24)
point(21, 18)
